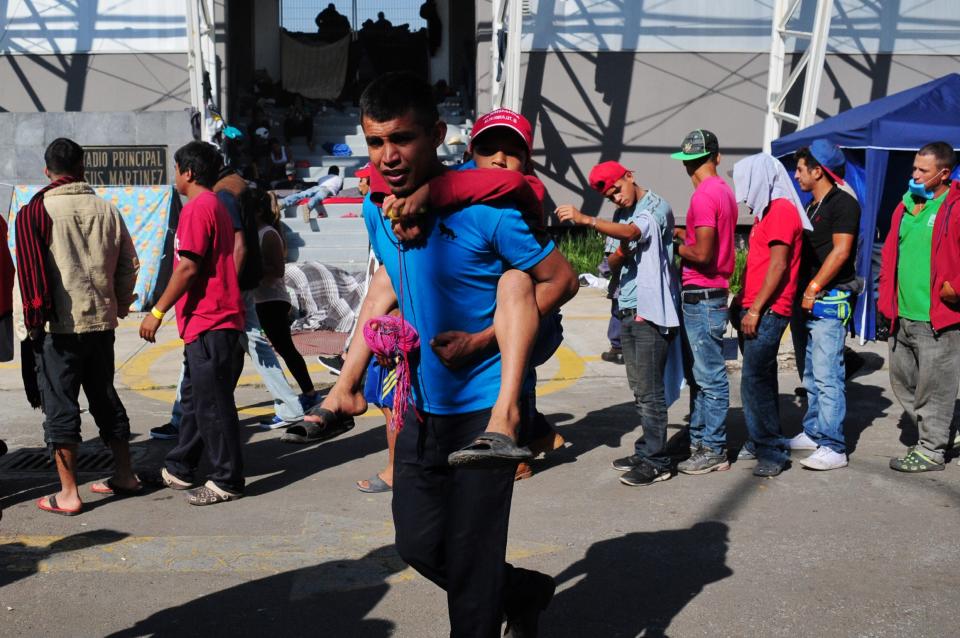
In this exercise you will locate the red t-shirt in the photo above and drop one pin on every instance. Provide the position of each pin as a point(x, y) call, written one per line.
point(781, 224)
point(712, 204)
point(457, 189)
point(214, 301)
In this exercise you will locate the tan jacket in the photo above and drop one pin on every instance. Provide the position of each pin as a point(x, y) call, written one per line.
point(92, 265)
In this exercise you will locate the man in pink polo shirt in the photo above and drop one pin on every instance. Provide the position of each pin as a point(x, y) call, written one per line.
point(708, 257)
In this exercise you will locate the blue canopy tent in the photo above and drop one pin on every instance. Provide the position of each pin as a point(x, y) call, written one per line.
point(881, 135)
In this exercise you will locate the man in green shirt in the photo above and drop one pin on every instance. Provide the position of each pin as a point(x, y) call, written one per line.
point(919, 280)
point(913, 265)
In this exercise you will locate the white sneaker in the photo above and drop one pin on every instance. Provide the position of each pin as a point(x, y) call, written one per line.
point(802, 442)
point(824, 459)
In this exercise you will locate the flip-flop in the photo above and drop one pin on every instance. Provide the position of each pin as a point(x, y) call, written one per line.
point(52, 506)
point(110, 488)
point(375, 485)
point(308, 432)
point(489, 450)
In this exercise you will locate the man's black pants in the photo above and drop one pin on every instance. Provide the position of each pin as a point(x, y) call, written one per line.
point(452, 523)
point(66, 363)
point(210, 421)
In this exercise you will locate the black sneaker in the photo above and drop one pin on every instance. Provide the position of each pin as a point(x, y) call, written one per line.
point(768, 469)
point(645, 474)
point(534, 593)
point(613, 355)
point(627, 463)
point(333, 364)
point(164, 432)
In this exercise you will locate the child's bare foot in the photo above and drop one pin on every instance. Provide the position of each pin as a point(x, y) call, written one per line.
point(505, 420)
point(341, 403)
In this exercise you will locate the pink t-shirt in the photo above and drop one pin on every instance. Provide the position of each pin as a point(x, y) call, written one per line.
point(213, 302)
point(712, 204)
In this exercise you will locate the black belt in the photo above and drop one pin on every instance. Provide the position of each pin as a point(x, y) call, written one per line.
point(697, 295)
point(626, 312)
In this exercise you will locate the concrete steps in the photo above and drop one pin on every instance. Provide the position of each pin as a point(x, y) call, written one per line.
point(340, 242)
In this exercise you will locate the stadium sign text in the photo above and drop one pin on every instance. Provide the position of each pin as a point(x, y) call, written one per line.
point(125, 165)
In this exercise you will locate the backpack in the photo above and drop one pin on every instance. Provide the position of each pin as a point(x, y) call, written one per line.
point(252, 271)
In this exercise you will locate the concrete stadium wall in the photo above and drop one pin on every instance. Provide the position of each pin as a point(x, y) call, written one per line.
point(94, 82)
point(636, 107)
point(25, 136)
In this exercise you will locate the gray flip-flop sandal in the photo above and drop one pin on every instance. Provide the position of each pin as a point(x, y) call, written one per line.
point(375, 485)
point(490, 449)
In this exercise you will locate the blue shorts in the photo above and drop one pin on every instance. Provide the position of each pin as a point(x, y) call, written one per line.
point(549, 338)
point(379, 385)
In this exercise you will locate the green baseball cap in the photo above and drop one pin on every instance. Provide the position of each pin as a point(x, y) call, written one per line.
point(698, 143)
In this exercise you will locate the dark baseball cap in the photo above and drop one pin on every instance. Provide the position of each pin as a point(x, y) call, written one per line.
point(698, 143)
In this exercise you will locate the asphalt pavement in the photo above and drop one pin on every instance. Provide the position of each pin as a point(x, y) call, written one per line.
point(861, 551)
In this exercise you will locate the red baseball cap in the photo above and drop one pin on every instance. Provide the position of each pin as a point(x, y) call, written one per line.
point(363, 171)
point(604, 174)
point(507, 118)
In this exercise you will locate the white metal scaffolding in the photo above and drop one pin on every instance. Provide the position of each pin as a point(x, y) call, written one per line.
point(810, 66)
point(505, 48)
point(201, 56)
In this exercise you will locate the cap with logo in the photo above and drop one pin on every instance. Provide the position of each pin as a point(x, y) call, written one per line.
point(829, 157)
point(290, 168)
point(698, 143)
point(605, 174)
point(506, 118)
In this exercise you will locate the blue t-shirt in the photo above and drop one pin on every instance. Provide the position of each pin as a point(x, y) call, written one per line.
point(663, 215)
point(450, 283)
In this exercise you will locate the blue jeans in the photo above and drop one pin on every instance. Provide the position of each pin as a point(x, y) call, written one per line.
point(645, 355)
point(759, 390)
point(613, 327)
point(704, 324)
point(286, 404)
point(315, 194)
point(824, 378)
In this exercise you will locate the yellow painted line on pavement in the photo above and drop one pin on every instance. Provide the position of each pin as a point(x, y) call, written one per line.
point(136, 376)
point(572, 366)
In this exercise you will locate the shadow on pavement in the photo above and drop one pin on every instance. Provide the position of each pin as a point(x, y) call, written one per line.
point(635, 584)
point(865, 405)
point(285, 463)
point(288, 463)
point(20, 561)
point(329, 599)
